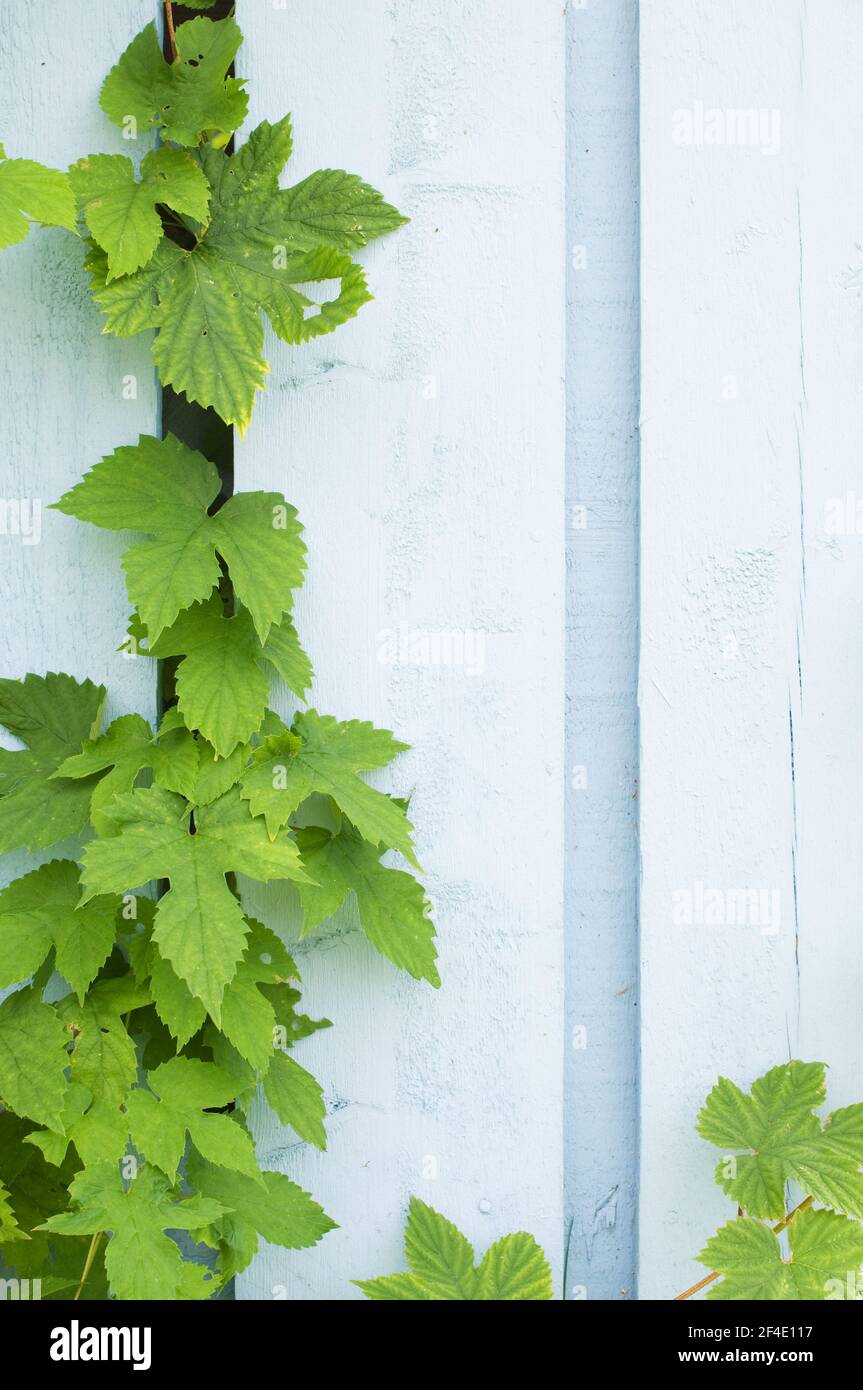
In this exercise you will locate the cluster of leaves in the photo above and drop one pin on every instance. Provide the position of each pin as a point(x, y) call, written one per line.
point(443, 1266)
point(149, 1006)
point(772, 1137)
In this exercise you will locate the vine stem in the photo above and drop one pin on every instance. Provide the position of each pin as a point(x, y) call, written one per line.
point(88, 1263)
point(780, 1226)
point(169, 25)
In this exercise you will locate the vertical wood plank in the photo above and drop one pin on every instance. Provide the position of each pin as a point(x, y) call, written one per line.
point(601, 1112)
point(69, 394)
point(423, 446)
point(751, 419)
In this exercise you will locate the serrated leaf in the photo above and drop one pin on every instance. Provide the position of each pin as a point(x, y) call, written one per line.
point(32, 1058)
point(297, 1099)
point(199, 924)
point(222, 688)
point(278, 1210)
point(98, 1129)
point(121, 211)
point(262, 244)
point(164, 488)
point(10, 1231)
point(29, 190)
point(178, 1094)
point(103, 1058)
point(393, 909)
point(125, 750)
point(323, 756)
point(53, 715)
point(141, 1260)
point(785, 1141)
point(185, 98)
point(442, 1266)
point(40, 913)
point(825, 1250)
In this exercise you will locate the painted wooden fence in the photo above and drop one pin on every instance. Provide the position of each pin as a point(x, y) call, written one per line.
point(465, 457)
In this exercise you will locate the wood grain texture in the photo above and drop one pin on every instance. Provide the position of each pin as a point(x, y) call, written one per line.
point(64, 386)
point(602, 652)
point(423, 445)
point(751, 656)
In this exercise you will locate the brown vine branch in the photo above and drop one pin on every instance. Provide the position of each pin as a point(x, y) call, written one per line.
point(780, 1226)
point(169, 26)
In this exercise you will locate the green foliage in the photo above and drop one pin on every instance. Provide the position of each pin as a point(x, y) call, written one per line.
point(772, 1137)
point(30, 191)
point(151, 1009)
point(443, 1266)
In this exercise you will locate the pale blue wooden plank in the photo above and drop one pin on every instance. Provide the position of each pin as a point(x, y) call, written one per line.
point(602, 651)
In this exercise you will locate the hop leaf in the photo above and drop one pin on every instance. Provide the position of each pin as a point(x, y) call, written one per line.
point(297, 1099)
point(322, 756)
point(165, 489)
point(179, 1092)
point(784, 1140)
point(32, 1058)
point(182, 99)
point(199, 925)
point(442, 1266)
point(121, 210)
point(825, 1250)
point(393, 909)
point(103, 1059)
point(30, 190)
point(222, 688)
point(141, 1260)
point(40, 912)
point(9, 1229)
point(276, 1209)
point(262, 242)
point(53, 715)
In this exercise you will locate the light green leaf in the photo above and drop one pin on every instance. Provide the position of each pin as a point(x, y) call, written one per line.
point(141, 1260)
point(825, 1250)
point(323, 756)
point(185, 98)
point(199, 925)
point(165, 489)
point(297, 1099)
point(278, 1210)
point(179, 1093)
point(40, 912)
point(785, 1141)
point(103, 1058)
point(393, 909)
point(53, 715)
point(29, 190)
point(442, 1266)
point(32, 1058)
point(10, 1231)
point(333, 208)
point(121, 211)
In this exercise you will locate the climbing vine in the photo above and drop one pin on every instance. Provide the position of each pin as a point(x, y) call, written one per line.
point(148, 1006)
point(811, 1249)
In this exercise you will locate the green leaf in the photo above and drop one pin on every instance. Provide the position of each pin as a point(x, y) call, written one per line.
point(825, 1250)
point(103, 1058)
point(126, 748)
point(323, 756)
point(10, 1231)
point(141, 1260)
point(32, 1058)
point(121, 211)
point(199, 925)
point(165, 489)
point(179, 1093)
point(278, 1210)
point(296, 1098)
point(393, 909)
point(262, 244)
point(221, 683)
point(185, 98)
point(98, 1129)
point(53, 715)
point(40, 912)
point(442, 1266)
point(784, 1141)
point(29, 190)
